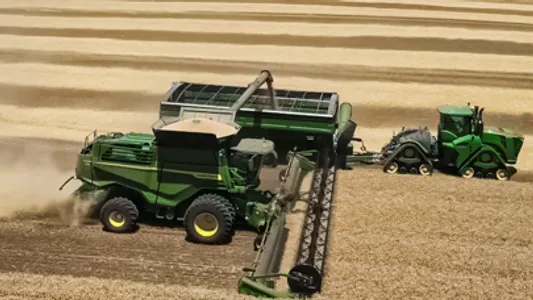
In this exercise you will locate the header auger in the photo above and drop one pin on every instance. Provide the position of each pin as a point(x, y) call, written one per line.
point(464, 146)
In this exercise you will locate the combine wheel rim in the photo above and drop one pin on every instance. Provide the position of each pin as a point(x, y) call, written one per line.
point(490, 175)
point(202, 219)
point(210, 206)
point(117, 219)
point(392, 168)
point(424, 169)
point(502, 174)
point(469, 173)
point(119, 215)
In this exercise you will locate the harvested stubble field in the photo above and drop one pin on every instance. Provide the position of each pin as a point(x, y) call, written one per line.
point(69, 67)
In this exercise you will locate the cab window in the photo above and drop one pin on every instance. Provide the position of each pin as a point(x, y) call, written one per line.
point(456, 124)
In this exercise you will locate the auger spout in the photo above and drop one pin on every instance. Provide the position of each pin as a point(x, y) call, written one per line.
point(265, 76)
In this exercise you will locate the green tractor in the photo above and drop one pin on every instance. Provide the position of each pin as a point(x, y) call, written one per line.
point(463, 145)
point(201, 178)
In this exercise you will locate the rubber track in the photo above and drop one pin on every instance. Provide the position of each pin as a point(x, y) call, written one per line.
point(314, 239)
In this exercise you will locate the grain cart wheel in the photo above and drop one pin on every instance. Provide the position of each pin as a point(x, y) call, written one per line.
point(119, 215)
point(209, 220)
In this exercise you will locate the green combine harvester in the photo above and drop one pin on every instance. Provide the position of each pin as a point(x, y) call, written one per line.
point(464, 146)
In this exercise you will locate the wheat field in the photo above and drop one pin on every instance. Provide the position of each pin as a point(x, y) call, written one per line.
point(69, 67)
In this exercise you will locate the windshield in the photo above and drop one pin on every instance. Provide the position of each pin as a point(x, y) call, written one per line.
point(460, 125)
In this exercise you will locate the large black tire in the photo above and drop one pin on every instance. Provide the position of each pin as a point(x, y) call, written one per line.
point(214, 211)
point(119, 215)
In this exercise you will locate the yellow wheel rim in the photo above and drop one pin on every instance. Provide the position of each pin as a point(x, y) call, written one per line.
point(206, 225)
point(116, 219)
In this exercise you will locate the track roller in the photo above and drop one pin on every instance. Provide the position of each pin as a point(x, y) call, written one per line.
point(425, 169)
point(502, 174)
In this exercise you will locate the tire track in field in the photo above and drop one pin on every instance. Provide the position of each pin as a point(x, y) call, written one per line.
point(150, 256)
point(282, 17)
point(378, 5)
point(63, 97)
point(429, 44)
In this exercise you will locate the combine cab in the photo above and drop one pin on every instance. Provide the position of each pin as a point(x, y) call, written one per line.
point(463, 144)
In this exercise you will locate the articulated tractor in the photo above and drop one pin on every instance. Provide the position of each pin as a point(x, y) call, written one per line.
point(464, 145)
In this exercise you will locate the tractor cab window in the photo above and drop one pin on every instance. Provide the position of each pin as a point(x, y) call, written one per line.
point(459, 125)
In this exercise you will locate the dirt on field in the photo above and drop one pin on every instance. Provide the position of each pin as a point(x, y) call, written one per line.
point(68, 68)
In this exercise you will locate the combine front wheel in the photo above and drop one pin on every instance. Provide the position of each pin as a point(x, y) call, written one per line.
point(209, 220)
point(119, 215)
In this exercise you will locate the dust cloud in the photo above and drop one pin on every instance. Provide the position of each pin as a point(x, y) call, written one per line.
point(29, 187)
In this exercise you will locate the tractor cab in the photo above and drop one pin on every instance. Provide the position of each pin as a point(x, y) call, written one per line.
point(455, 122)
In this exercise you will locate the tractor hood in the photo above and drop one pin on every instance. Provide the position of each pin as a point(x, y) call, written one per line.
point(505, 139)
point(502, 131)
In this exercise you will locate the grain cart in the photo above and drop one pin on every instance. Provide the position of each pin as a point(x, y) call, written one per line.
point(289, 118)
point(463, 144)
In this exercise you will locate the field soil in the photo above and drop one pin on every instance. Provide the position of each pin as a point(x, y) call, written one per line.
point(67, 68)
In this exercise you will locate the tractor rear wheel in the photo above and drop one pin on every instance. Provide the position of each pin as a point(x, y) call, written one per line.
point(119, 215)
point(209, 220)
